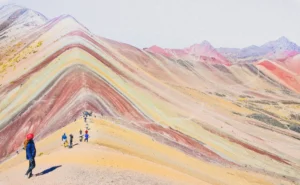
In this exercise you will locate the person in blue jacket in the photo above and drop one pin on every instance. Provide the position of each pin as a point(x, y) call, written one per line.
point(30, 154)
point(86, 137)
point(64, 138)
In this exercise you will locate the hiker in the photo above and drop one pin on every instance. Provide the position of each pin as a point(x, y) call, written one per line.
point(66, 144)
point(86, 137)
point(85, 119)
point(64, 138)
point(30, 154)
point(71, 141)
point(80, 135)
point(86, 113)
point(80, 138)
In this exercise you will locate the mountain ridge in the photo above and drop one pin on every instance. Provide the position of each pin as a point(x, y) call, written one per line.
point(279, 49)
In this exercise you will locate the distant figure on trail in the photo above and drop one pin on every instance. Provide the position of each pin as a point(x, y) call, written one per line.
point(71, 141)
point(80, 135)
point(85, 119)
point(64, 138)
point(80, 138)
point(86, 113)
point(86, 137)
point(30, 154)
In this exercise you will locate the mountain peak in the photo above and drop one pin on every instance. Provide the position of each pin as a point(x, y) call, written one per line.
point(206, 43)
point(282, 43)
point(203, 46)
point(18, 19)
point(11, 11)
point(283, 39)
point(155, 46)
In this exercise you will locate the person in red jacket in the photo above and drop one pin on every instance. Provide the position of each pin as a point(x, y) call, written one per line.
point(29, 147)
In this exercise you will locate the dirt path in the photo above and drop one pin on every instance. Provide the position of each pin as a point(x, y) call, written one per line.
point(78, 174)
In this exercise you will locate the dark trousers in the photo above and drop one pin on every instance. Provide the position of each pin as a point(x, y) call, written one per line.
point(31, 167)
point(86, 139)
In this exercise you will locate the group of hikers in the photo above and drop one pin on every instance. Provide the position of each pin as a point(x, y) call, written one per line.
point(30, 149)
point(64, 137)
point(65, 142)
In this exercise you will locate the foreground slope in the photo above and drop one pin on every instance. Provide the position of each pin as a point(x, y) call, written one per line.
point(118, 155)
point(89, 163)
point(238, 119)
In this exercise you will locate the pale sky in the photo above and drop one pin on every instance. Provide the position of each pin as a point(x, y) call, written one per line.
point(180, 23)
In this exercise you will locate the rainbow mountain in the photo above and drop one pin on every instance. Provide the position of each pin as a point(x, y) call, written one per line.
point(230, 108)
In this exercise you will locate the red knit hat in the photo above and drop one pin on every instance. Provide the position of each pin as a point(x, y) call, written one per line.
point(29, 136)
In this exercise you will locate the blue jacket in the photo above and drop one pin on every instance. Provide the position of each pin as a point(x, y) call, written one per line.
point(64, 137)
point(86, 136)
point(30, 150)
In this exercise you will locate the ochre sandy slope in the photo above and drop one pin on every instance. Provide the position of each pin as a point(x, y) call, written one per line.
point(114, 149)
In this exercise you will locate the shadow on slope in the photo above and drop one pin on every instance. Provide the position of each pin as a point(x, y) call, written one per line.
point(48, 170)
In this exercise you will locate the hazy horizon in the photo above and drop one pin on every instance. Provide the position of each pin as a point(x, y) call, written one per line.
point(179, 24)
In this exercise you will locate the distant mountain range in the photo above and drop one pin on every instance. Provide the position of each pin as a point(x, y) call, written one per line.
point(197, 52)
point(280, 50)
point(276, 50)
